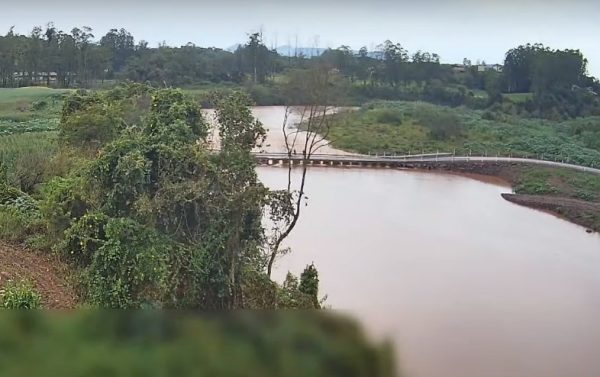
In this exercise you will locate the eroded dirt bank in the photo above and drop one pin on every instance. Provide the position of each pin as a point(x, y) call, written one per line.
point(44, 271)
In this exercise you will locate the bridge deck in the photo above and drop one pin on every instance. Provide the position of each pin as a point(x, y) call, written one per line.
point(407, 161)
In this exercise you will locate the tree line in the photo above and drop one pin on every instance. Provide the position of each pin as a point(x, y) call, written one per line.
point(78, 58)
point(558, 79)
point(48, 56)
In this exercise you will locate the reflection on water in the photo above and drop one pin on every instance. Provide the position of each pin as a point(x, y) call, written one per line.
point(465, 283)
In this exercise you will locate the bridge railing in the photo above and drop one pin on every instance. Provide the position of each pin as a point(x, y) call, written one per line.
point(550, 157)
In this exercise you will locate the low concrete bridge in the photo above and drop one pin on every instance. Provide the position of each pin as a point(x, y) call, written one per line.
point(412, 161)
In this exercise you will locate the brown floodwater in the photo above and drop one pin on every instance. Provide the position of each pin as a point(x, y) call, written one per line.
point(463, 282)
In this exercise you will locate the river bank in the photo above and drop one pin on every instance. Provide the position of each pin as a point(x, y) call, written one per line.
point(405, 127)
point(567, 194)
point(577, 211)
point(571, 195)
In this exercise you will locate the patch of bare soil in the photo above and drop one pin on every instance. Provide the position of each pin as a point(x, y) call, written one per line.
point(45, 272)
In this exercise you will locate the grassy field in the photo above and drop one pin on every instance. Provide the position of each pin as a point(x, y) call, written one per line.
point(29, 109)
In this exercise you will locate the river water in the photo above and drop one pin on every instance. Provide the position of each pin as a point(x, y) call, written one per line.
point(463, 282)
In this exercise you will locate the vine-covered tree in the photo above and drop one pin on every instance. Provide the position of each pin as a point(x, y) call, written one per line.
point(155, 217)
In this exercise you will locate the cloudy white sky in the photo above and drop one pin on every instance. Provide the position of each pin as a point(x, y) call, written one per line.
point(483, 29)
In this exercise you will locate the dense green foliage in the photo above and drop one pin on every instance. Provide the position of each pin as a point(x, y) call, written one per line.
point(19, 295)
point(152, 343)
point(19, 212)
point(138, 204)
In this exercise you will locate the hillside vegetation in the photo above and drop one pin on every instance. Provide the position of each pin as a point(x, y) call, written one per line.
point(416, 127)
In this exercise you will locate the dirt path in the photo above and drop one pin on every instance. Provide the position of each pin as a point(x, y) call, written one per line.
point(44, 271)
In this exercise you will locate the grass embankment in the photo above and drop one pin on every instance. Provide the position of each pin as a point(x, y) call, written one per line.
point(409, 127)
point(571, 194)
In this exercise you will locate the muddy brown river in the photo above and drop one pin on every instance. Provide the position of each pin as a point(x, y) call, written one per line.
point(463, 282)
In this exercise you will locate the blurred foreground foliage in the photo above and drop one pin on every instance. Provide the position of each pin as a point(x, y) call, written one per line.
point(155, 343)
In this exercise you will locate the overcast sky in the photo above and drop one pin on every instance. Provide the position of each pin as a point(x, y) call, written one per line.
point(483, 29)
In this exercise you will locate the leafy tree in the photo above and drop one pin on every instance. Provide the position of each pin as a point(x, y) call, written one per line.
point(121, 45)
point(394, 59)
point(309, 284)
point(155, 218)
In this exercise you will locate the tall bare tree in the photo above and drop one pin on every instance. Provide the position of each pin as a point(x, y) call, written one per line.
point(311, 96)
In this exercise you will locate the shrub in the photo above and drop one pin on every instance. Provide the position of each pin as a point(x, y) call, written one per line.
point(8, 194)
point(131, 268)
point(19, 214)
point(388, 115)
point(303, 294)
point(442, 124)
point(39, 105)
point(19, 295)
point(84, 238)
point(62, 203)
point(91, 128)
point(26, 158)
point(265, 95)
point(585, 195)
point(535, 182)
point(289, 297)
point(15, 225)
point(30, 169)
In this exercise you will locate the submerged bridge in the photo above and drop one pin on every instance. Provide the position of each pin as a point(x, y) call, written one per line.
point(424, 161)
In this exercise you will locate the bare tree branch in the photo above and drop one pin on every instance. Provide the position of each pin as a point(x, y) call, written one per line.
point(314, 127)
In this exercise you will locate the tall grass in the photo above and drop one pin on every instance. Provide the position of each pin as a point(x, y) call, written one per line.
point(26, 157)
point(14, 146)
